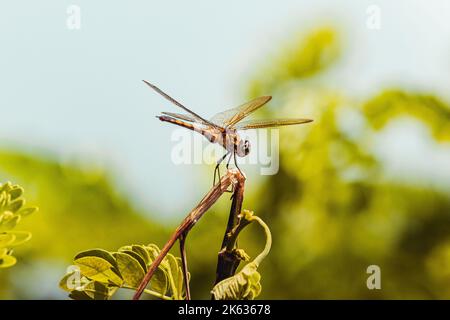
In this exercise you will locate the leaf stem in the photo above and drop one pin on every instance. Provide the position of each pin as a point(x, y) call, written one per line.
point(268, 245)
point(151, 292)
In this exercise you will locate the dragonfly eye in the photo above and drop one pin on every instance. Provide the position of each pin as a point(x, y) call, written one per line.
point(246, 147)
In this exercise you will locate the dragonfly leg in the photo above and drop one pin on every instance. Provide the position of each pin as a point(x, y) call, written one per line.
point(235, 163)
point(216, 171)
point(228, 164)
point(217, 168)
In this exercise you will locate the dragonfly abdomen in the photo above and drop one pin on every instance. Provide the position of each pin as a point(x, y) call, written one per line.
point(177, 122)
point(210, 134)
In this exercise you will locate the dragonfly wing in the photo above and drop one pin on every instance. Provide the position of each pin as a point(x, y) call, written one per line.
point(257, 124)
point(175, 102)
point(185, 117)
point(220, 118)
point(230, 117)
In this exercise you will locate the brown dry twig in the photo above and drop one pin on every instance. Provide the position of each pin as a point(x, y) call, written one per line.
point(228, 261)
point(234, 178)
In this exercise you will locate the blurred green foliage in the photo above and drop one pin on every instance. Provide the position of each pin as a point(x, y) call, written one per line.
point(332, 208)
point(307, 55)
point(12, 210)
point(79, 206)
point(395, 103)
point(79, 209)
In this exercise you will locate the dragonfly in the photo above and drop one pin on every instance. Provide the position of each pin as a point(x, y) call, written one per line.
point(223, 127)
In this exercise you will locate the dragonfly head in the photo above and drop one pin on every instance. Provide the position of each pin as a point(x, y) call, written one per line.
point(243, 148)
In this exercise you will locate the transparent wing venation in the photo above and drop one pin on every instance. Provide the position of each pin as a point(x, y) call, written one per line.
point(273, 123)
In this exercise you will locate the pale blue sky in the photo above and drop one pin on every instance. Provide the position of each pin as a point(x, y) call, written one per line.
point(80, 95)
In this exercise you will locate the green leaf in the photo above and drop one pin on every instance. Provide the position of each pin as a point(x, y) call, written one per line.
point(11, 222)
point(245, 285)
point(15, 205)
point(130, 269)
point(180, 280)
point(5, 187)
point(138, 258)
point(15, 192)
point(7, 261)
point(153, 251)
point(20, 237)
point(93, 290)
point(100, 253)
point(6, 238)
point(130, 264)
point(173, 269)
point(27, 211)
point(69, 281)
point(65, 280)
point(143, 253)
point(3, 200)
point(96, 290)
point(79, 295)
point(123, 248)
point(159, 281)
point(97, 268)
point(10, 204)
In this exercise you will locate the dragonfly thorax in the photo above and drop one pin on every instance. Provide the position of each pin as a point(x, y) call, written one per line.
point(232, 142)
